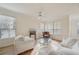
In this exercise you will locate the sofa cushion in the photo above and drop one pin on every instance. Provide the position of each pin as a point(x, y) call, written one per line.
point(69, 42)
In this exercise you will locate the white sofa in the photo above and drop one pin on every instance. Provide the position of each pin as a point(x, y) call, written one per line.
point(14, 46)
point(69, 46)
point(23, 44)
point(66, 49)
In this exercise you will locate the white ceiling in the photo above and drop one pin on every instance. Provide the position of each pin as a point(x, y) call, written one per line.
point(50, 11)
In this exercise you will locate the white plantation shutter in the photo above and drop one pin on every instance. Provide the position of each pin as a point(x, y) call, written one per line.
point(7, 26)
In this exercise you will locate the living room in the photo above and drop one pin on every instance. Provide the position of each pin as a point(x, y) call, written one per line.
point(23, 26)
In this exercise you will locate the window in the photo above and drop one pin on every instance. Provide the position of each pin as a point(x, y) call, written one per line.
point(54, 28)
point(57, 28)
point(7, 27)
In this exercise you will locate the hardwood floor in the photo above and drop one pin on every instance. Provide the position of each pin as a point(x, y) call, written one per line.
point(8, 50)
point(28, 52)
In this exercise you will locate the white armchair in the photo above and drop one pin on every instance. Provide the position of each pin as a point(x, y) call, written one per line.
point(69, 46)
